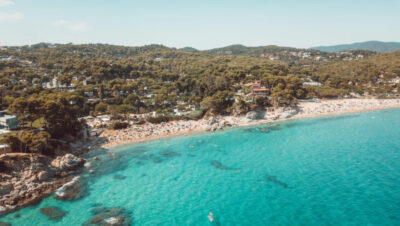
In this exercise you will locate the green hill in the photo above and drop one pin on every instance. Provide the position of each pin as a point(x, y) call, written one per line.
point(376, 46)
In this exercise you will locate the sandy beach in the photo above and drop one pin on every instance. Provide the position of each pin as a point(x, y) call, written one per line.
point(148, 131)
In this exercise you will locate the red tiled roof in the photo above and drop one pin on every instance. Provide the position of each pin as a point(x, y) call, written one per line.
point(260, 89)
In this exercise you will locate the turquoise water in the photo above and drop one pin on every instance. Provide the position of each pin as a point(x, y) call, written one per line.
point(342, 170)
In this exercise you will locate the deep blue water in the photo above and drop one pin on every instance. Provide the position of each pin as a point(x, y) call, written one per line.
point(342, 170)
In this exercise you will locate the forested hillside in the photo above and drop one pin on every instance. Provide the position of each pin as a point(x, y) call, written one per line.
point(48, 87)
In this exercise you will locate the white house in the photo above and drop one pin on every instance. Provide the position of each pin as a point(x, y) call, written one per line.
point(8, 121)
point(312, 83)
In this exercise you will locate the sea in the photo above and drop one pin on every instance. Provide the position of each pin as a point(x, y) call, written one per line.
point(333, 170)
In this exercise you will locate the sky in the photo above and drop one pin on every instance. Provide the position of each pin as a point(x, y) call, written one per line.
point(201, 24)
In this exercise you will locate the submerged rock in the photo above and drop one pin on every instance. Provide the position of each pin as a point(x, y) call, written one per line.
point(96, 204)
point(5, 224)
point(119, 177)
point(53, 213)
point(169, 154)
point(73, 190)
point(220, 166)
point(276, 181)
point(110, 216)
point(155, 158)
point(68, 162)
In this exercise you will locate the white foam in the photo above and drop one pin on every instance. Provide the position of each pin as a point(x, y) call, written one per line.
point(111, 220)
point(61, 191)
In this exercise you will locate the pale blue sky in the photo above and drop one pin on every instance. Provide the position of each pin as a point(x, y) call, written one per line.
point(201, 24)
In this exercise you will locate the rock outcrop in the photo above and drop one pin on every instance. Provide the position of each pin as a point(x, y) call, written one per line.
point(286, 112)
point(255, 115)
point(217, 123)
point(68, 162)
point(6, 188)
point(26, 178)
point(73, 190)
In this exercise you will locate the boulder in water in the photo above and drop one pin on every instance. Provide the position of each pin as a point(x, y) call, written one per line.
point(110, 216)
point(73, 190)
point(53, 213)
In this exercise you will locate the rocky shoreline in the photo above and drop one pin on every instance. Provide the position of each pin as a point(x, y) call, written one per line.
point(25, 179)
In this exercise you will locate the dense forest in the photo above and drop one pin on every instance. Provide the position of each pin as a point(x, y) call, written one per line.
point(49, 86)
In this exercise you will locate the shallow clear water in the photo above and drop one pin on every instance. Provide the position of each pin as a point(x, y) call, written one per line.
point(342, 170)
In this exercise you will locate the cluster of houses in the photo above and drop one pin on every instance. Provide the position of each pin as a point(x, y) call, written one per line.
point(389, 81)
point(56, 84)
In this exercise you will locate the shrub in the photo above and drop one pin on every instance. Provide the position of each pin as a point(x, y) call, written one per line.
point(101, 107)
point(3, 166)
point(118, 125)
point(159, 119)
point(140, 122)
point(195, 115)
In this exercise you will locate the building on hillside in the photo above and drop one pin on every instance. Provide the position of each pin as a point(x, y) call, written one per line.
point(256, 88)
point(312, 83)
point(394, 81)
point(88, 93)
point(9, 122)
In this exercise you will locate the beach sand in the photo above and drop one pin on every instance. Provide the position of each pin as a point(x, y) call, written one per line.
point(148, 131)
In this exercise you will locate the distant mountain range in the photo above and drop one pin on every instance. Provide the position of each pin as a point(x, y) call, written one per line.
point(285, 54)
point(245, 50)
point(376, 46)
point(188, 49)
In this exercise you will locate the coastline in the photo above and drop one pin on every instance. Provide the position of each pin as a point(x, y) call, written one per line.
point(241, 121)
point(305, 110)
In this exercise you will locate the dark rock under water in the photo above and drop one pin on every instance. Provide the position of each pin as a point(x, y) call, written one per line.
point(169, 154)
point(276, 181)
point(219, 165)
point(96, 204)
point(5, 224)
point(155, 158)
point(110, 216)
point(119, 177)
point(53, 213)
